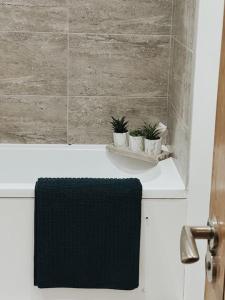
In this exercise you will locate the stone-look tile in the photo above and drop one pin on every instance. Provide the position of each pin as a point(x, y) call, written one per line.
point(180, 106)
point(89, 117)
point(179, 139)
point(110, 65)
point(33, 119)
point(33, 64)
point(116, 16)
point(184, 21)
point(180, 92)
point(33, 18)
point(35, 2)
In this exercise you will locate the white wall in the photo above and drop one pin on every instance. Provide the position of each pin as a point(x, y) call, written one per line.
point(208, 45)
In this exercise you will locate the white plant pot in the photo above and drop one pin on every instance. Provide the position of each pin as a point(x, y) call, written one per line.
point(136, 143)
point(120, 139)
point(153, 147)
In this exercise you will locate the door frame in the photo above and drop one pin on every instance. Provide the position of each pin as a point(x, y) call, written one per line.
point(205, 85)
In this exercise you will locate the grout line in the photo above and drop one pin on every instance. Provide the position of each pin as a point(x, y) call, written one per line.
point(171, 29)
point(37, 95)
point(170, 58)
point(118, 96)
point(168, 85)
point(68, 63)
point(85, 33)
point(30, 5)
point(168, 140)
point(34, 32)
point(119, 34)
point(170, 65)
point(183, 45)
point(87, 96)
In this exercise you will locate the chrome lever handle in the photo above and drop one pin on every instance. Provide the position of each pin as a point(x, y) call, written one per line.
point(188, 248)
point(189, 251)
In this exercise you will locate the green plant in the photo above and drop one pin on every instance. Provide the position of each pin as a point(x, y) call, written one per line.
point(136, 132)
point(150, 131)
point(119, 125)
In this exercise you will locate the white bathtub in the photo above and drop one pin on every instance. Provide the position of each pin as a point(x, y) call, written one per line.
point(163, 214)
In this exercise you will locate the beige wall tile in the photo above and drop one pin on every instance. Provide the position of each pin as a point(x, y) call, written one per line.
point(116, 16)
point(33, 119)
point(118, 65)
point(184, 21)
point(33, 18)
point(181, 77)
point(89, 117)
point(33, 64)
point(181, 82)
point(180, 143)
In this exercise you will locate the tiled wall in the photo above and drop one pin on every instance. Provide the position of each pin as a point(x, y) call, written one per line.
point(66, 66)
point(180, 87)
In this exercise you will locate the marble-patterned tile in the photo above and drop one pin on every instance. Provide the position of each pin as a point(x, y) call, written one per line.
point(35, 2)
point(184, 21)
point(33, 119)
point(33, 18)
point(89, 117)
point(116, 16)
point(111, 65)
point(33, 64)
point(180, 91)
point(179, 139)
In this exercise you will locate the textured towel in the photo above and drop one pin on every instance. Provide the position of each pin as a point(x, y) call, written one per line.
point(87, 233)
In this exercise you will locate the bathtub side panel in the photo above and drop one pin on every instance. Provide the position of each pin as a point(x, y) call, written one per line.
point(164, 277)
point(161, 274)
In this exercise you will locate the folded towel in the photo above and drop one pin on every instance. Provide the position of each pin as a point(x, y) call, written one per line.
point(87, 233)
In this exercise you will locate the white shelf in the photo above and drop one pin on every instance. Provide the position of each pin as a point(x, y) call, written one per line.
point(139, 155)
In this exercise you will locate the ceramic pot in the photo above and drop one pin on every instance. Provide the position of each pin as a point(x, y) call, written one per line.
point(153, 147)
point(136, 143)
point(120, 139)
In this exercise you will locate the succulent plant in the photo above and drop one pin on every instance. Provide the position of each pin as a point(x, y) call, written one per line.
point(151, 132)
point(136, 132)
point(119, 125)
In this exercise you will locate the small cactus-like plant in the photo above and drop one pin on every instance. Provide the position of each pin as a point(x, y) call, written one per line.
point(119, 125)
point(136, 132)
point(151, 132)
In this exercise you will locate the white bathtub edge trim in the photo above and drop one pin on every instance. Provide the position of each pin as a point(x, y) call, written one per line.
point(168, 185)
point(17, 190)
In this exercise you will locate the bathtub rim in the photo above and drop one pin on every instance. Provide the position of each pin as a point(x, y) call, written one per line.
point(26, 190)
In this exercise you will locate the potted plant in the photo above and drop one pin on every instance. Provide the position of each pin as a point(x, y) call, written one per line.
point(136, 140)
point(119, 131)
point(153, 143)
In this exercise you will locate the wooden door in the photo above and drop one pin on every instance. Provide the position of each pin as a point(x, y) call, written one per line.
point(215, 291)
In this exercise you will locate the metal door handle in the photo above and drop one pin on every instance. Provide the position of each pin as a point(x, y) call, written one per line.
point(189, 251)
point(188, 248)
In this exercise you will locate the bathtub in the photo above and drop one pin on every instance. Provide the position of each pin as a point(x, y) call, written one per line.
point(164, 208)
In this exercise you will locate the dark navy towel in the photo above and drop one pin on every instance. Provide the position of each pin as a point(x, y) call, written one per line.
point(87, 233)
